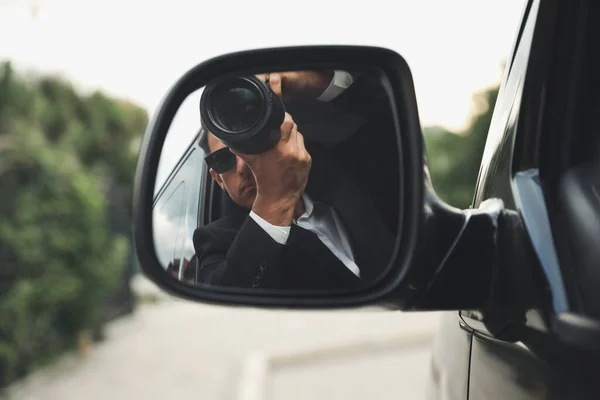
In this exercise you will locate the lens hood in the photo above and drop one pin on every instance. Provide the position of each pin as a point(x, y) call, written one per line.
point(243, 112)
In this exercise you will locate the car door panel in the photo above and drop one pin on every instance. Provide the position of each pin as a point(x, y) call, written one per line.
point(449, 369)
point(541, 366)
point(498, 369)
point(502, 370)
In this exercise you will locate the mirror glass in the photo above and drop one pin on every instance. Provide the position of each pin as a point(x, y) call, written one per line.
point(280, 181)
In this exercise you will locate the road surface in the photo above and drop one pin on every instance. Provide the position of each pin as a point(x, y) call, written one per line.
point(175, 349)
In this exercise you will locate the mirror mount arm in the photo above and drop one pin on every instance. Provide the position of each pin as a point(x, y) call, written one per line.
point(456, 257)
point(460, 276)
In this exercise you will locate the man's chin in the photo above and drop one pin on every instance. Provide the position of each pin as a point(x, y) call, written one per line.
point(249, 197)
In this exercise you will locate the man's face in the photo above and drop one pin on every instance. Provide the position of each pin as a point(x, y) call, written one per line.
point(238, 182)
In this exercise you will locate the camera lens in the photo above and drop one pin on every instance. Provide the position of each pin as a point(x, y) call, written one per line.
point(237, 107)
point(243, 112)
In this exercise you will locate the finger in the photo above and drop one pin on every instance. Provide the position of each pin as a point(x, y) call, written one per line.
point(290, 80)
point(294, 138)
point(300, 141)
point(286, 127)
point(303, 149)
point(262, 77)
point(275, 82)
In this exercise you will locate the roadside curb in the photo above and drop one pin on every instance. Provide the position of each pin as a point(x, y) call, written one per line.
point(256, 366)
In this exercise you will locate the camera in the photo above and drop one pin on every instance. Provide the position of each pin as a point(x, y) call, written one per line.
point(243, 112)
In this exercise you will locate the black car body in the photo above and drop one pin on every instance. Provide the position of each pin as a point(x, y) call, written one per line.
point(542, 159)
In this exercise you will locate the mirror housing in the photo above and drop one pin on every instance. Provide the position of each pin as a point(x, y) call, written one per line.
point(395, 77)
point(433, 265)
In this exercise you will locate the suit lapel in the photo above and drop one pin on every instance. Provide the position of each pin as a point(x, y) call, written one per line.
point(371, 241)
point(309, 246)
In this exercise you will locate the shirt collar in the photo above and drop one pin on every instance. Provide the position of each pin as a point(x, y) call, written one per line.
point(309, 206)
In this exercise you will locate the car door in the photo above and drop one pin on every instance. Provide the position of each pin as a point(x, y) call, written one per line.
point(511, 355)
point(451, 355)
point(452, 349)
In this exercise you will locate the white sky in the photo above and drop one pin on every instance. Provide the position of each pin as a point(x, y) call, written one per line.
point(137, 49)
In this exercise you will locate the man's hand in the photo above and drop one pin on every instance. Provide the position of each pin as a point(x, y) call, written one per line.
point(281, 174)
point(296, 84)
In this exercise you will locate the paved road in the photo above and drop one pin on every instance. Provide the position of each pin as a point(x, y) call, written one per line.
point(184, 350)
point(386, 374)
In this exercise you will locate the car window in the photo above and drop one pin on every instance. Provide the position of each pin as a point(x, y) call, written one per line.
point(176, 213)
point(493, 180)
point(168, 216)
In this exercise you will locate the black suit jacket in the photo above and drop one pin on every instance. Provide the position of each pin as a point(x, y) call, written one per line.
point(236, 251)
point(359, 130)
point(351, 177)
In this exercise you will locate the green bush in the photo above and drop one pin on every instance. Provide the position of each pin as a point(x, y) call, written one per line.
point(62, 254)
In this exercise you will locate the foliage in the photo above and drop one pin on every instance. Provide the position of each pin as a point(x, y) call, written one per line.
point(454, 158)
point(61, 253)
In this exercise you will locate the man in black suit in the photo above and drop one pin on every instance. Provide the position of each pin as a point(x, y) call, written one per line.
point(309, 224)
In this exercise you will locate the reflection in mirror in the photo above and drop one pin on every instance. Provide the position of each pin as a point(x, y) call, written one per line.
point(286, 181)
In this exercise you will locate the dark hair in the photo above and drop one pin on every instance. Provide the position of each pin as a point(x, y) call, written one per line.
point(203, 141)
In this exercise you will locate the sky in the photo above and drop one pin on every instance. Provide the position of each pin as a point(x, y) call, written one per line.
point(137, 49)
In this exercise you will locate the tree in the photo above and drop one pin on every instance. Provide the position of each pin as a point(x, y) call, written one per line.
point(66, 171)
point(454, 158)
point(58, 248)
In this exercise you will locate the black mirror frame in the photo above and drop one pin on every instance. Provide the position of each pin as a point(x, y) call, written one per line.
point(397, 80)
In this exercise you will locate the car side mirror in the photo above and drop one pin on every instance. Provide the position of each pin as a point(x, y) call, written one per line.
point(296, 177)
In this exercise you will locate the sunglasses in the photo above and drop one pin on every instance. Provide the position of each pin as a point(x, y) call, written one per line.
point(221, 160)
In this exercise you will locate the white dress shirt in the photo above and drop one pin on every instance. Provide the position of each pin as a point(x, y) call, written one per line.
point(340, 82)
point(320, 218)
point(324, 221)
